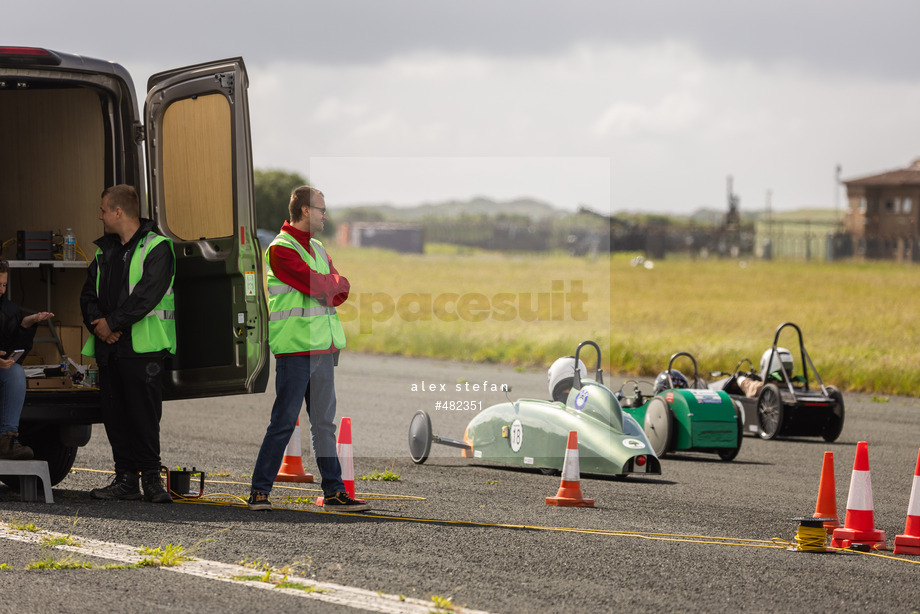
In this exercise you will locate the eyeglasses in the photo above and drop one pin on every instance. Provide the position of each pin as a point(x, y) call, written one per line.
point(322, 210)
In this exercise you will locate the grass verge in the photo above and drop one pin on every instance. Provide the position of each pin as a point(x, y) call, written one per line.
point(857, 319)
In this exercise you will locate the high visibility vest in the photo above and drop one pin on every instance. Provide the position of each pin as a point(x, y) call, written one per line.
point(297, 322)
point(157, 330)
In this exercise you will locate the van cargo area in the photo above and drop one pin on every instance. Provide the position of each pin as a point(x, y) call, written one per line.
point(52, 169)
point(70, 127)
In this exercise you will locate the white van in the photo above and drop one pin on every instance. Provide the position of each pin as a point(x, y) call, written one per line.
point(69, 128)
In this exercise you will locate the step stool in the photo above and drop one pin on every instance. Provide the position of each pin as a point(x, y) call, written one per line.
point(29, 472)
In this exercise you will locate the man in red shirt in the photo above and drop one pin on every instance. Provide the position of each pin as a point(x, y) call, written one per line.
point(305, 335)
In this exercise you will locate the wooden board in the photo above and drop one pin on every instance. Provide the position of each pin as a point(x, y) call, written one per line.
point(52, 173)
point(48, 383)
point(197, 168)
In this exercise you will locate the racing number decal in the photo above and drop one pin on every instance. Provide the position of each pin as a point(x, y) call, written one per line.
point(517, 436)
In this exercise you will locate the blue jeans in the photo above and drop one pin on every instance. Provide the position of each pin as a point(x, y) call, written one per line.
point(12, 396)
point(299, 379)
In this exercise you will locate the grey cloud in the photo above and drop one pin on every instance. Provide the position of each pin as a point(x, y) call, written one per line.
point(844, 36)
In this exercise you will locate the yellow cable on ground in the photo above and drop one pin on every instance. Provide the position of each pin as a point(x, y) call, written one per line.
point(372, 496)
point(776, 542)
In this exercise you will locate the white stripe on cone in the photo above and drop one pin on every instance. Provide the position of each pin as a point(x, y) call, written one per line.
point(293, 446)
point(860, 497)
point(570, 470)
point(343, 450)
point(913, 508)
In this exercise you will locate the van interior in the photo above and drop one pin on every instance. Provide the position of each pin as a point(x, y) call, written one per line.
point(63, 143)
point(52, 172)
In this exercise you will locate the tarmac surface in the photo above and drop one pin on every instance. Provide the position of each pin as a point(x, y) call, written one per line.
point(704, 536)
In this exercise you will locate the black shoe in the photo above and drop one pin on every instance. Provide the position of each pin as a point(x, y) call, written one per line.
point(11, 449)
point(124, 486)
point(258, 501)
point(341, 502)
point(153, 487)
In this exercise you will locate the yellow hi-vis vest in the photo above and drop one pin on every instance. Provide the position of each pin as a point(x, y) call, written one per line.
point(157, 330)
point(298, 322)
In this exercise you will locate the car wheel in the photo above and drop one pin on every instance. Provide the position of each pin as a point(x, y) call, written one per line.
point(420, 437)
point(770, 411)
point(729, 454)
point(835, 422)
point(659, 426)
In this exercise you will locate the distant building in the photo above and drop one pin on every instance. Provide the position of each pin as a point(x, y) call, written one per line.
point(882, 214)
point(406, 238)
point(799, 235)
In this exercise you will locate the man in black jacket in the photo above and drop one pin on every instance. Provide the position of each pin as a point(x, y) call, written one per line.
point(127, 305)
point(16, 333)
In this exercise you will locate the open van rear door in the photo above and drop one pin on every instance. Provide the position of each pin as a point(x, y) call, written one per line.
point(199, 177)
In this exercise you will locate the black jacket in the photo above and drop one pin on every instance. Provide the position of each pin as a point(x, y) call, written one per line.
point(12, 335)
point(113, 302)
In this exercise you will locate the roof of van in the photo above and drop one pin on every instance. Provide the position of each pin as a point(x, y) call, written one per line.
point(39, 57)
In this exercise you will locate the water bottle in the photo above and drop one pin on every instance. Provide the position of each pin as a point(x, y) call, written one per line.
point(70, 245)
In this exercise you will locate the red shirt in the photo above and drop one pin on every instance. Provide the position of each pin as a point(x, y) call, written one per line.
point(289, 267)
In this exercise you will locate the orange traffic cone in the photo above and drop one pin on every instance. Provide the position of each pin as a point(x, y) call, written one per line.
point(292, 464)
point(909, 542)
point(569, 494)
point(826, 507)
point(343, 451)
point(859, 526)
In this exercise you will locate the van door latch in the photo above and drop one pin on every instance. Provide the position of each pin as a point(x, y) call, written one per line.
point(226, 80)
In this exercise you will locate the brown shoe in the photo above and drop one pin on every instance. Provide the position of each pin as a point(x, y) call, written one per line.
point(11, 449)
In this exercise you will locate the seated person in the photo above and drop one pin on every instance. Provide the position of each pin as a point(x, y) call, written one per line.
point(778, 361)
point(750, 384)
point(15, 334)
point(771, 369)
point(678, 380)
point(561, 377)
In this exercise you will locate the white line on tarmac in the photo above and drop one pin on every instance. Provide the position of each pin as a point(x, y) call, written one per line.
point(214, 570)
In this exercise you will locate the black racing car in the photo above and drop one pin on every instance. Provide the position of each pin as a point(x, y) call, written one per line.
point(777, 401)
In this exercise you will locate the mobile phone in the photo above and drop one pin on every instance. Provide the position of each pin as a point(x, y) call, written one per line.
point(15, 355)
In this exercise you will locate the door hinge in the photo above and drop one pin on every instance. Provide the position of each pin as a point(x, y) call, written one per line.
point(140, 133)
point(226, 80)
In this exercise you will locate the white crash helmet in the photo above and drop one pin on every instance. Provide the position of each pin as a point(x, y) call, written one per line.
point(782, 355)
point(561, 377)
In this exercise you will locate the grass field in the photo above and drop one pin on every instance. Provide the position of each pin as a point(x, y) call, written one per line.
point(857, 319)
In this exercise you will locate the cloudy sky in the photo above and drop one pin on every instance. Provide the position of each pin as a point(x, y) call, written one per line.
point(639, 106)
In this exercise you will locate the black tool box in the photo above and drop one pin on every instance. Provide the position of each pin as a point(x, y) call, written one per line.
point(34, 245)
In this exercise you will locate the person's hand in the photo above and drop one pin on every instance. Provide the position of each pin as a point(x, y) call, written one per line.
point(6, 363)
point(340, 293)
point(101, 329)
point(35, 318)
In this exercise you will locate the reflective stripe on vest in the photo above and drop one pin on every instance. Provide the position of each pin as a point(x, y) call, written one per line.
point(298, 322)
point(300, 312)
point(157, 330)
point(162, 314)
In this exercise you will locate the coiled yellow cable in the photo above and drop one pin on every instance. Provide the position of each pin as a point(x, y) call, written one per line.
point(811, 539)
